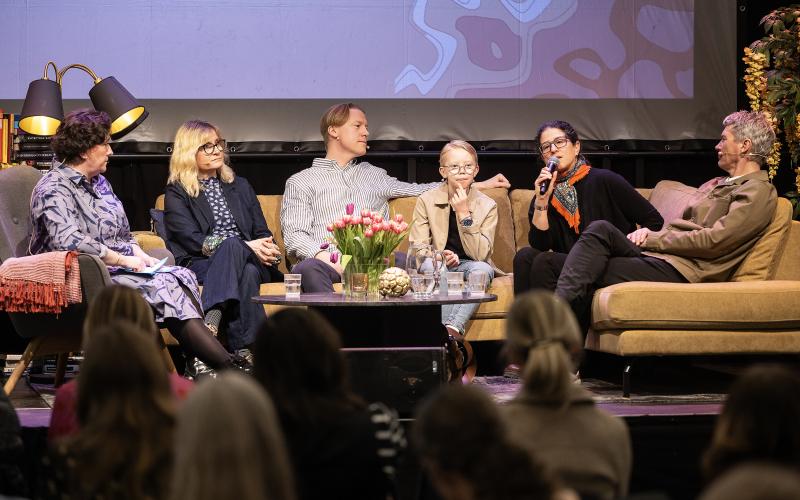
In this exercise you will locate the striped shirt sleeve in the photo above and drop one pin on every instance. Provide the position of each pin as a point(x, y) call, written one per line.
point(297, 218)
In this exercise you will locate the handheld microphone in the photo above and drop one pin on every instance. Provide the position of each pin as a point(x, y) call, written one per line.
point(552, 163)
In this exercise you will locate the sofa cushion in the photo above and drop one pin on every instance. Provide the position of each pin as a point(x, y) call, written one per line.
point(157, 222)
point(670, 199)
point(762, 261)
point(697, 306)
point(693, 342)
point(520, 203)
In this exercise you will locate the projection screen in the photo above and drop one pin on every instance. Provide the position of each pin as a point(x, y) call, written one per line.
point(423, 70)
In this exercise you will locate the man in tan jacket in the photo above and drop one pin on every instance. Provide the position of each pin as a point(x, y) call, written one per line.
point(719, 226)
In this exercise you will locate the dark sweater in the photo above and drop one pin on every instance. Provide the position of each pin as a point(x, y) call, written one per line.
point(602, 195)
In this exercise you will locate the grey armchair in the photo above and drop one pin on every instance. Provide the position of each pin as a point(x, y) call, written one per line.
point(49, 334)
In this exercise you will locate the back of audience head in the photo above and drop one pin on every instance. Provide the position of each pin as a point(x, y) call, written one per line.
point(298, 359)
point(248, 463)
point(758, 421)
point(544, 338)
point(126, 412)
point(462, 443)
point(117, 302)
point(755, 481)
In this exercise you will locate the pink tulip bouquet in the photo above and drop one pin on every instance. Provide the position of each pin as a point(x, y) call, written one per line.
point(365, 241)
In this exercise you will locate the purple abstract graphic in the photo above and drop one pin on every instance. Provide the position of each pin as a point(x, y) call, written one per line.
point(624, 49)
point(357, 49)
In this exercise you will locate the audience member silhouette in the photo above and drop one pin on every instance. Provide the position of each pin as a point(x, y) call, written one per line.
point(464, 447)
point(248, 463)
point(126, 413)
point(12, 451)
point(554, 417)
point(758, 422)
point(755, 481)
point(115, 302)
point(340, 447)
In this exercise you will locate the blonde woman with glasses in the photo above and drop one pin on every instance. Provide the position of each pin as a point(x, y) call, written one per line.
point(216, 228)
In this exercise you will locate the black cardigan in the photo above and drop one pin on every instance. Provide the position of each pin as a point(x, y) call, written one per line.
point(602, 195)
point(189, 221)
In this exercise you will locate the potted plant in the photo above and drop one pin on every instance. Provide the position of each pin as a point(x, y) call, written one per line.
point(772, 84)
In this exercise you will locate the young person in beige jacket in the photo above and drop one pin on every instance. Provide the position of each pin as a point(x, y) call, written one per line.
point(460, 222)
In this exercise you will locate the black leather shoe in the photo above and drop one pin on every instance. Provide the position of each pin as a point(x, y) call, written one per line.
point(241, 363)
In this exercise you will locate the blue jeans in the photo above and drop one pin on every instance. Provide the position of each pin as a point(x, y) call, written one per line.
point(457, 315)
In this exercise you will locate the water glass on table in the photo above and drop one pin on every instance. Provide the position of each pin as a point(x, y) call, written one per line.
point(476, 283)
point(292, 284)
point(455, 282)
point(359, 283)
point(422, 285)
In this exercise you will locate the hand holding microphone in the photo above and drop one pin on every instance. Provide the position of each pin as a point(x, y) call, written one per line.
point(552, 164)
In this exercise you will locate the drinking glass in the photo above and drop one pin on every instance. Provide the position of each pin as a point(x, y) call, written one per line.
point(422, 285)
point(476, 283)
point(292, 283)
point(455, 282)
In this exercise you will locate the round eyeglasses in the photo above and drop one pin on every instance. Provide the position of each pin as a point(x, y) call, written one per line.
point(468, 168)
point(559, 142)
point(209, 148)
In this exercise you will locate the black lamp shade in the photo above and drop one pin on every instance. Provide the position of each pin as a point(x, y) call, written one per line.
point(126, 113)
point(42, 111)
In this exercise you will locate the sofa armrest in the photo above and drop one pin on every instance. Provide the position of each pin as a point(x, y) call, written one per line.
point(697, 306)
point(148, 240)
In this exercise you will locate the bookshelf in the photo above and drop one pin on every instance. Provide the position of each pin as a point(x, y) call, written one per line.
point(19, 148)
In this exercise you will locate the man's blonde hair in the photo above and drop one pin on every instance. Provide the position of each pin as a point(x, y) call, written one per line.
point(336, 116)
point(183, 162)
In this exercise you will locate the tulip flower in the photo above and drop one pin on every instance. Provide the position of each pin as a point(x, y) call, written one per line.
point(385, 226)
point(403, 226)
point(347, 219)
point(349, 209)
point(365, 213)
point(368, 233)
point(398, 217)
point(329, 227)
point(356, 219)
point(339, 224)
point(334, 258)
point(376, 227)
point(367, 221)
point(378, 217)
point(326, 244)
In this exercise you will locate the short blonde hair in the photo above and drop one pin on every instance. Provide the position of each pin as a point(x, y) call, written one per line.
point(458, 144)
point(183, 162)
point(211, 464)
point(336, 116)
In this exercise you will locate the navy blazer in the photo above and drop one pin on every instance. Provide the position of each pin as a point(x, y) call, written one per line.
point(189, 221)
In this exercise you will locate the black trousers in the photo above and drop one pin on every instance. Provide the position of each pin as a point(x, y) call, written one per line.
point(231, 278)
point(604, 256)
point(536, 270)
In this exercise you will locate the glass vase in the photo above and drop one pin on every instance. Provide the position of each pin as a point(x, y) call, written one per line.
point(352, 285)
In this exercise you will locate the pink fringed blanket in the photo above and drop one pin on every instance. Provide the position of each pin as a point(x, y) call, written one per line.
point(46, 282)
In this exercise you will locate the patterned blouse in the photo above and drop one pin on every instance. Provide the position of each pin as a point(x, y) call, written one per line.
point(224, 225)
point(71, 212)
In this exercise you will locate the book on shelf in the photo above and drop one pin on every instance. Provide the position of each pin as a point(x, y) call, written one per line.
point(22, 137)
point(32, 146)
point(35, 155)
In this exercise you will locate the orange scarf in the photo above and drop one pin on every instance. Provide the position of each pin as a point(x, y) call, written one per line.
point(565, 196)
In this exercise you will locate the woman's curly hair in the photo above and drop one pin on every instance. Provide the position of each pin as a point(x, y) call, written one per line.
point(80, 131)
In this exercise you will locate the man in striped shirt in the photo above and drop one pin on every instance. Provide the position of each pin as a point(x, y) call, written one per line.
point(317, 196)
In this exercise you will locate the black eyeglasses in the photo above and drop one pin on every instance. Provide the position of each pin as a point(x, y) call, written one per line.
point(560, 142)
point(209, 148)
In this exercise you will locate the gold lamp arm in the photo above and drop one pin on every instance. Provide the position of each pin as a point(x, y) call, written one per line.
point(47, 66)
point(79, 66)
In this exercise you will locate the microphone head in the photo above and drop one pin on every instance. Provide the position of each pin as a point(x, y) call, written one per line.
point(553, 162)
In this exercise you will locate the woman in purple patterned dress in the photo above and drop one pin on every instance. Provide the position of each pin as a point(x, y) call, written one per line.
point(74, 208)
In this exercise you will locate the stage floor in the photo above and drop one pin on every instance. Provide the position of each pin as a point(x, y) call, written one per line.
point(33, 402)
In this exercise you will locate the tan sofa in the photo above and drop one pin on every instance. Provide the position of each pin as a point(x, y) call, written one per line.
point(759, 312)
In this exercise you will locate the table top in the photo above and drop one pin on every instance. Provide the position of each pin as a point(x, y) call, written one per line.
point(341, 300)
